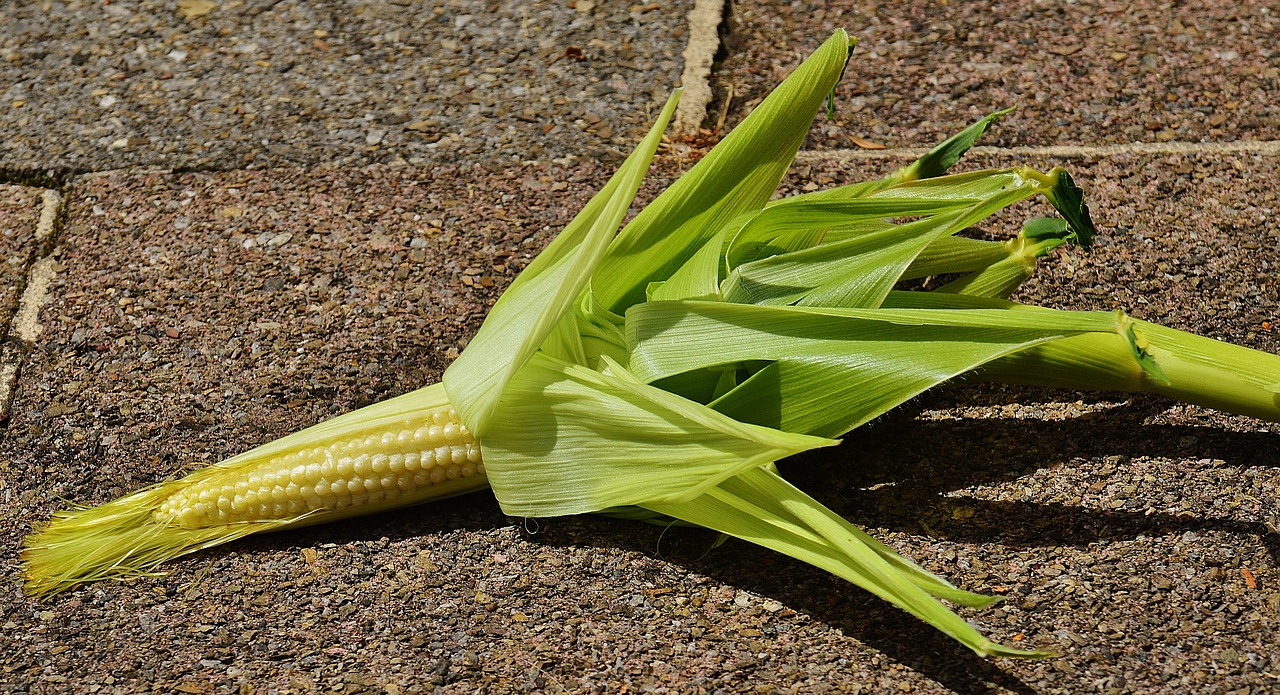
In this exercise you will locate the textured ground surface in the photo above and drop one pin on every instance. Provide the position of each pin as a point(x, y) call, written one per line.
point(1082, 73)
point(19, 214)
point(196, 313)
point(88, 86)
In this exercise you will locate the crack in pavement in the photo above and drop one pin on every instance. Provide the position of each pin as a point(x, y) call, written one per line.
point(699, 55)
point(24, 326)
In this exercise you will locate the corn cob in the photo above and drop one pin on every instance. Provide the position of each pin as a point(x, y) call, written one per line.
point(351, 472)
point(574, 381)
point(401, 452)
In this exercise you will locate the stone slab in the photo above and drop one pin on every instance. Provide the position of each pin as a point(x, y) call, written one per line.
point(23, 224)
point(1079, 73)
point(200, 314)
point(20, 208)
point(90, 86)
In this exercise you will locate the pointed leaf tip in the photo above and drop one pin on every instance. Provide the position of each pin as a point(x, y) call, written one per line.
point(740, 174)
point(1068, 199)
point(937, 160)
point(532, 307)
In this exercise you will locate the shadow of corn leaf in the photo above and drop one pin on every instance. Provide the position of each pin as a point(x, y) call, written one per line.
point(900, 469)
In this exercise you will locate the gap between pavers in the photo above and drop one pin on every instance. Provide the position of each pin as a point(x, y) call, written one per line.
point(699, 54)
point(1269, 148)
point(24, 327)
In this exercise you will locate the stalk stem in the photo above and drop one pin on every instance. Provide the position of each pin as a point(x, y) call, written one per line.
point(1180, 365)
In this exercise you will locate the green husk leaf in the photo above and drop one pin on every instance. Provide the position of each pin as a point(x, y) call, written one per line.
point(956, 254)
point(1045, 228)
point(857, 271)
point(740, 174)
point(789, 228)
point(832, 369)
point(571, 440)
point(1013, 264)
point(943, 156)
point(760, 507)
point(540, 298)
point(1068, 198)
point(933, 163)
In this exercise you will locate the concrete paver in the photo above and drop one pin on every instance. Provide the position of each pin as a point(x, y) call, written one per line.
point(201, 313)
point(20, 208)
point(88, 86)
point(192, 314)
point(1079, 73)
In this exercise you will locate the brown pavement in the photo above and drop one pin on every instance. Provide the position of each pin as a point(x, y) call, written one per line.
point(1089, 72)
point(195, 314)
point(20, 208)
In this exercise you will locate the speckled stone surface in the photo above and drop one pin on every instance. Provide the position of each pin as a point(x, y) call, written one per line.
point(19, 214)
point(230, 84)
point(1080, 73)
point(305, 207)
point(199, 314)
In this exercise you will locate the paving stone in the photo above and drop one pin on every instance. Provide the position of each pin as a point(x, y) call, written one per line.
point(19, 214)
point(194, 295)
point(1079, 73)
point(202, 313)
point(89, 86)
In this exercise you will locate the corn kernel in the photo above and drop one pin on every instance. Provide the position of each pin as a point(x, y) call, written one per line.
point(356, 470)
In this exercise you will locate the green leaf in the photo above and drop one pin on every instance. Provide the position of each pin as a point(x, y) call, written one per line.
point(956, 254)
point(935, 162)
point(947, 153)
point(534, 306)
point(1068, 198)
point(833, 369)
point(777, 228)
point(698, 277)
point(759, 234)
point(1044, 228)
point(1002, 276)
point(858, 271)
point(571, 440)
point(759, 506)
point(740, 174)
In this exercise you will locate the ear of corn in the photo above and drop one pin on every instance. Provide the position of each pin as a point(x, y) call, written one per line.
point(403, 451)
point(664, 370)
